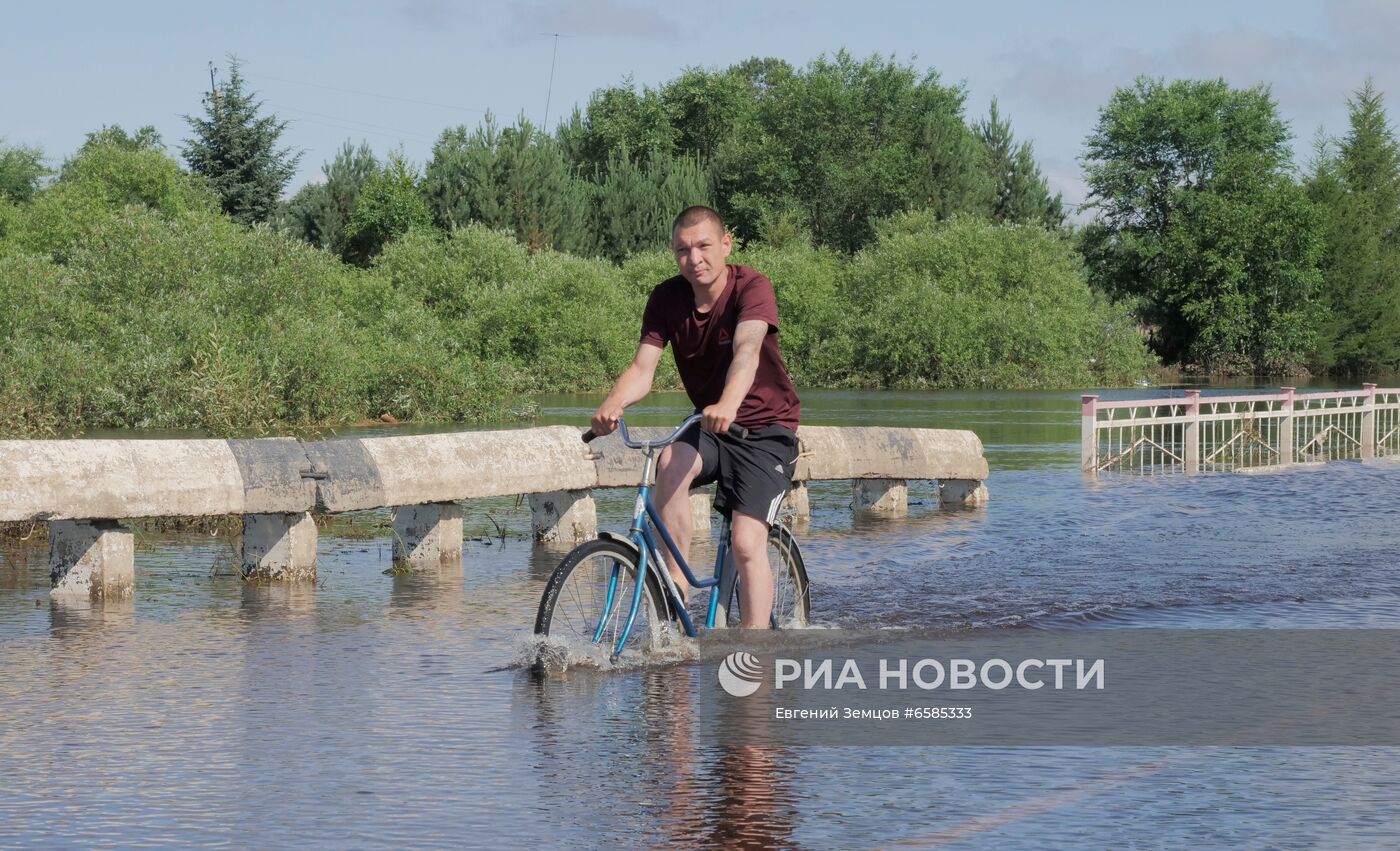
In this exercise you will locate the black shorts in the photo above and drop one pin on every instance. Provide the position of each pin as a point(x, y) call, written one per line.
point(753, 474)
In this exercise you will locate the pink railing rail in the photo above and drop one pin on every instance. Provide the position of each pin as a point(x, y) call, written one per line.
point(1192, 433)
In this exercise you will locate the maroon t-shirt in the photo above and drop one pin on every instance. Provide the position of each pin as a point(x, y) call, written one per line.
point(703, 345)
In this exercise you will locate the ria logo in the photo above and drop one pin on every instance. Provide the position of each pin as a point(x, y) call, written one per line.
point(740, 673)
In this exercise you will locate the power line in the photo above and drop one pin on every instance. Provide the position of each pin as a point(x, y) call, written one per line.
point(353, 124)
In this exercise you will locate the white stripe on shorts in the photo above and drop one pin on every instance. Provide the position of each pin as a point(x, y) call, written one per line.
point(774, 506)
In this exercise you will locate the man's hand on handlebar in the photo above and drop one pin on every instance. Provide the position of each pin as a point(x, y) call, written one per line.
point(718, 418)
point(605, 419)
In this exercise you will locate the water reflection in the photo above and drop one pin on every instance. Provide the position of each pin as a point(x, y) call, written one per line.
point(83, 619)
point(427, 590)
point(277, 599)
point(690, 783)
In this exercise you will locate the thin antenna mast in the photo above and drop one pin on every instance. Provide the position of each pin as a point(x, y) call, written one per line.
point(550, 95)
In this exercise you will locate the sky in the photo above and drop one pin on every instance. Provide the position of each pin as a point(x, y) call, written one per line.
point(396, 73)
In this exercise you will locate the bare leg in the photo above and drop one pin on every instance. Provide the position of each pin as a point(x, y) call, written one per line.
point(678, 466)
point(750, 539)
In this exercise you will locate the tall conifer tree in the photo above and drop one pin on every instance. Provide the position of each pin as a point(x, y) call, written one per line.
point(1022, 194)
point(1358, 182)
point(235, 148)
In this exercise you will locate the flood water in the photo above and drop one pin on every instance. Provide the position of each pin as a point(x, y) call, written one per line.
point(372, 710)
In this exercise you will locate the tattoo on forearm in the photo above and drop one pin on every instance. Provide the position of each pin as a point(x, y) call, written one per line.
point(750, 334)
point(748, 340)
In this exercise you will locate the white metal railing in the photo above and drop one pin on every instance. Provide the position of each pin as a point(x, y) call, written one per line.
point(1191, 433)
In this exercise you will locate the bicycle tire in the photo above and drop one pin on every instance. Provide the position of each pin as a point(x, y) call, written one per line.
point(575, 601)
point(792, 602)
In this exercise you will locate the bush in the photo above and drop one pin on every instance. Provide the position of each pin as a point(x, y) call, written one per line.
point(557, 322)
point(100, 180)
point(195, 322)
point(128, 300)
point(971, 304)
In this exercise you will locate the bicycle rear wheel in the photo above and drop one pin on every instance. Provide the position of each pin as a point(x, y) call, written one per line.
point(792, 605)
point(791, 599)
point(589, 596)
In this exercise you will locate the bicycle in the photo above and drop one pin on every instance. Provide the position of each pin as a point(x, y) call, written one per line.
point(594, 596)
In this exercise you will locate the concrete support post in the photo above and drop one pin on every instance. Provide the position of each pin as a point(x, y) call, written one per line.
point(1368, 423)
point(889, 497)
point(700, 510)
point(798, 502)
point(563, 517)
point(962, 492)
point(1089, 434)
point(1191, 435)
point(428, 536)
point(279, 547)
point(91, 558)
point(1286, 453)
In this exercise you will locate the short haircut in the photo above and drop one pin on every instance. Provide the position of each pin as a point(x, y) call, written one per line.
point(698, 214)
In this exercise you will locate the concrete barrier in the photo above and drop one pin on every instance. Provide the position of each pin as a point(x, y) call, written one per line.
point(889, 453)
point(83, 487)
point(383, 472)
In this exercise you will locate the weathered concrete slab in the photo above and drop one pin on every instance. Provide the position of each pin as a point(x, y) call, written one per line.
point(92, 479)
point(889, 453)
point(616, 465)
point(116, 479)
point(390, 471)
point(345, 473)
point(275, 474)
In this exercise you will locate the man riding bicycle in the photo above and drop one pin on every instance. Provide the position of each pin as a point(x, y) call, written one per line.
point(721, 321)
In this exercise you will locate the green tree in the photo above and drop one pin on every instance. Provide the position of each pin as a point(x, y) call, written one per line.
point(634, 204)
point(389, 205)
point(846, 142)
point(762, 74)
point(1200, 222)
point(1357, 181)
point(618, 118)
point(235, 149)
point(517, 179)
point(319, 212)
point(706, 107)
point(146, 138)
point(1021, 194)
point(21, 169)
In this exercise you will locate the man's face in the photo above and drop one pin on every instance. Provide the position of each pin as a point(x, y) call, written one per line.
point(701, 250)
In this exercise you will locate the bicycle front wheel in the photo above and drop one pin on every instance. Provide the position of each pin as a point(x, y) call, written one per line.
point(589, 597)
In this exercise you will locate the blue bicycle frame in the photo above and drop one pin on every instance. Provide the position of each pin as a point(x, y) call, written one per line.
point(642, 538)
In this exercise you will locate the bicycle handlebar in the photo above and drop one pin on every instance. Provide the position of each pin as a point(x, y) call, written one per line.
point(735, 430)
